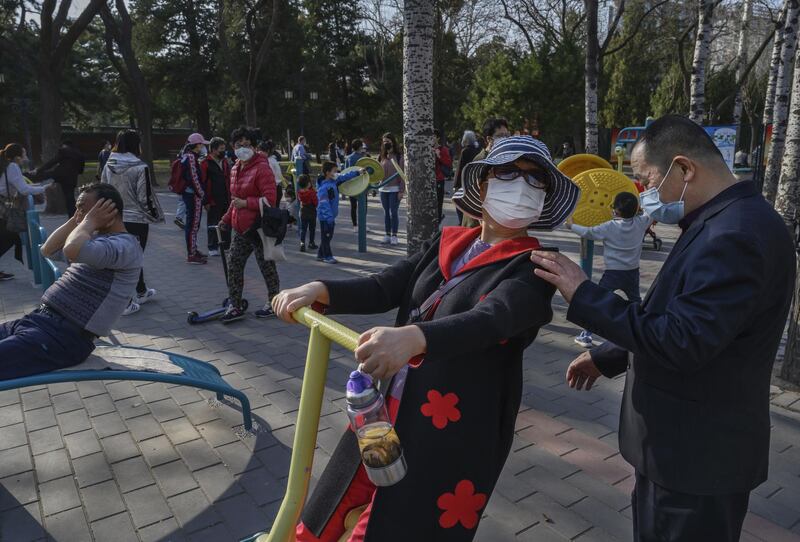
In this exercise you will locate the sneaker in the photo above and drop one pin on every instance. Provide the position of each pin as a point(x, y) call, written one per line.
point(131, 308)
point(178, 222)
point(302, 247)
point(312, 246)
point(331, 260)
point(231, 315)
point(6, 276)
point(213, 252)
point(196, 259)
point(266, 312)
point(584, 340)
point(320, 259)
point(204, 256)
point(386, 240)
point(145, 297)
point(394, 241)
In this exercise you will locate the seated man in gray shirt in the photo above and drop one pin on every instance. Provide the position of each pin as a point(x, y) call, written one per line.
point(84, 303)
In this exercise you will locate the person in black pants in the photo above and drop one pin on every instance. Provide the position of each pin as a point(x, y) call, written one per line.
point(64, 169)
point(698, 351)
point(217, 174)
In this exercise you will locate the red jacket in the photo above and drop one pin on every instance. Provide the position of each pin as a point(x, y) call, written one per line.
point(308, 196)
point(251, 180)
point(444, 159)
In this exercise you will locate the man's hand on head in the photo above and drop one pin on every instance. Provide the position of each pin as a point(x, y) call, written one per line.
point(102, 215)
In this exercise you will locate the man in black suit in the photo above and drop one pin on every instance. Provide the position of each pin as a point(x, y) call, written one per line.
point(698, 351)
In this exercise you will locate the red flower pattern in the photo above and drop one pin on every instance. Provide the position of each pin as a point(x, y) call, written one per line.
point(462, 506)
point(441, 408)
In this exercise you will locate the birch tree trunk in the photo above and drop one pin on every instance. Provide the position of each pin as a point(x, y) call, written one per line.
point(418, 18)
point(788, 205)
point(781, 105)
point(741, 60)
point(591, 74)
point(774, 64)
point(702, 45)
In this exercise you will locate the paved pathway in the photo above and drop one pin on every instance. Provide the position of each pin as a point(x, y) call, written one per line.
point(120, 461)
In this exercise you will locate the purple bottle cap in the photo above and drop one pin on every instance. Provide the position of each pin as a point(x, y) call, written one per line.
point(360, 391)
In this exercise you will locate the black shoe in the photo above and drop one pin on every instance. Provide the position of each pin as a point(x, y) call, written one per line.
point(232, 315)
point(312, 246)
point(303, 247)
point(6, 276)
point(180, 224)
point(266, 312)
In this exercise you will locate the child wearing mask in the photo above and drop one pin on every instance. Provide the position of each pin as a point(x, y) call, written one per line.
point(328, 206)
point(308, 212)
point(622, 250)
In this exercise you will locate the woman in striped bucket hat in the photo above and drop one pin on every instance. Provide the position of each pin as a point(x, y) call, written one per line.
point(520, 166)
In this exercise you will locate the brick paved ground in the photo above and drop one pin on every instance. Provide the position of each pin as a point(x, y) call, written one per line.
point(119, 461)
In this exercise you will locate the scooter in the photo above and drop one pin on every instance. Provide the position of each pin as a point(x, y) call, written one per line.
point(223, 242)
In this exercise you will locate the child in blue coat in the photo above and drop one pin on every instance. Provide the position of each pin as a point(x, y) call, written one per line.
point(328, 207)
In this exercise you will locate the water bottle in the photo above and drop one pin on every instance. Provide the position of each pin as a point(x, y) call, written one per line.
point(380, 447)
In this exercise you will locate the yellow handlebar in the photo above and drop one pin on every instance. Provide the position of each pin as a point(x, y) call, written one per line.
point(323, 332)
point(333, 330)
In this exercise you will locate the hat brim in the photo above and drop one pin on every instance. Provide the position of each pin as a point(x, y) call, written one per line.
point(559, 203)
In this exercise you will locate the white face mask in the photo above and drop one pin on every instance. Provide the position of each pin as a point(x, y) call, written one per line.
point(513, 204)
point(244, 153)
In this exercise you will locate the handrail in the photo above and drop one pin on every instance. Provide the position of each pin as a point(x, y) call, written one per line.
point(323, 332)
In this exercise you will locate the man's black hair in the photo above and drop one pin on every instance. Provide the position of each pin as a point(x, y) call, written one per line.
point(674, 135)
point(105, 191)
point(215, 143)
point(356, 144)
point(303, 181)
point(492, 124)
point(626, 205)
point(243, 132)
point(327, 166)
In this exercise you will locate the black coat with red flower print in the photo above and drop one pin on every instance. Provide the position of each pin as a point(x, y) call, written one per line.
point(457, 413)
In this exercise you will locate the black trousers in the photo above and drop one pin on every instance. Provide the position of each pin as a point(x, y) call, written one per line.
point(68, 190)
point(663, 515)
point(214, 215)
point(140, 231)
point(354, 210)
point(439, 198)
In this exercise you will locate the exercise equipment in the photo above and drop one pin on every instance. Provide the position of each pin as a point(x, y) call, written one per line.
point(324, 331)
point(578, 163)
point(373, 167)
point(599, 187)
point(223, 242)
point(357, 185)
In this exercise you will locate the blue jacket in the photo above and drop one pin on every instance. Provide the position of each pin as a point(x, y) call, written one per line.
point(328, 195)
point(353, 158)
point(698, 351)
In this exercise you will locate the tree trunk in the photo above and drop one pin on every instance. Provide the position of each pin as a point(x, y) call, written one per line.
point(418, 18)
point(250, 114)
point(50, 111)
point(702, 43)
point(788, 205)
point(774, 65)
point(591, 75)
point(741, 60)
point(781, 107)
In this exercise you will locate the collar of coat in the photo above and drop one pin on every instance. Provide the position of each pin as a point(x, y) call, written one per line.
point(455, 240)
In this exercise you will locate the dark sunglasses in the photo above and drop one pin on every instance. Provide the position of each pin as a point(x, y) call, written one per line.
point(537, 179)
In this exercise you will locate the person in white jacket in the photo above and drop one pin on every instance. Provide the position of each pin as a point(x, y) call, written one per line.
point(130, 175)
point(12, 181)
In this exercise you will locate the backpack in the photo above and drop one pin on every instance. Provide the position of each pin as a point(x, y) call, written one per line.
point(177, 183)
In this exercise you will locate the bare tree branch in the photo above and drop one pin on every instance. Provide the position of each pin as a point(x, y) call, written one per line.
point(635, 31)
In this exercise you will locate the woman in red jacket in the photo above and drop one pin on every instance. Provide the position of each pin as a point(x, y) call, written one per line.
point(251, 179)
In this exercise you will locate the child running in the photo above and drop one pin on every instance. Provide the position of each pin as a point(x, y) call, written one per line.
point(622, 250)
point(328, 206)
point(308, 212)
